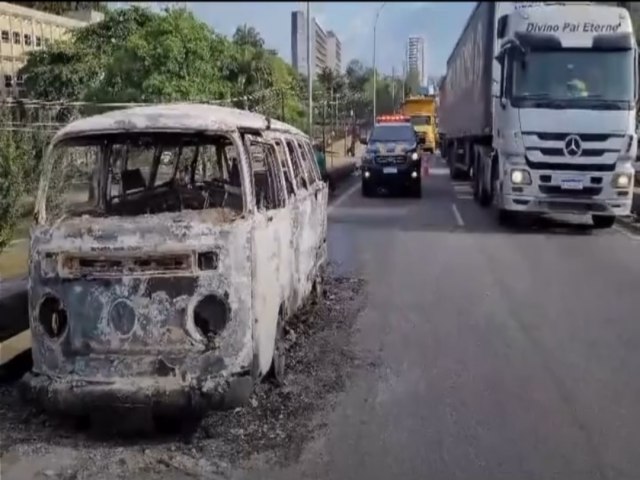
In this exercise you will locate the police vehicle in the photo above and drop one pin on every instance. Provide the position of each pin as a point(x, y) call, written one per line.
point(392, 159)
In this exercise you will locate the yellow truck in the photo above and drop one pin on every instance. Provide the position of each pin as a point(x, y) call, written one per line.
point(422, 111)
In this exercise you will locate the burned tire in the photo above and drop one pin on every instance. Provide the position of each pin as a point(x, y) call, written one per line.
point(603, 221)
point(185, 424)
point(277, 370)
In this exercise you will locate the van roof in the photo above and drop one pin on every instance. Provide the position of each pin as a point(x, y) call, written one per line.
point(187, 117)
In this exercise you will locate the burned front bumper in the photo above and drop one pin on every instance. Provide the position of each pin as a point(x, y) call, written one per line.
point(158, 395)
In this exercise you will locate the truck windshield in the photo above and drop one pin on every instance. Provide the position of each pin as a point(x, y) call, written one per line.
point(393, 133)
point(419, 120)
point(577, 76)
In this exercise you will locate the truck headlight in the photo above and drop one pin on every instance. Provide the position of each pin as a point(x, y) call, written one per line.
point(414, 156)
point(621, 180)
point(520, 177)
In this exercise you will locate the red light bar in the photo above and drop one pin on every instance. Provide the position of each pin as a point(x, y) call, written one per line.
point(391, 118)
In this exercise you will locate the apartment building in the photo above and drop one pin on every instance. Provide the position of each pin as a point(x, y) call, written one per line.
point(24, 30)
point(326, 49)
point(334, 51)
point(415, 57)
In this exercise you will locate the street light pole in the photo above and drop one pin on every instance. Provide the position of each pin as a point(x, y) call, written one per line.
point(375, 25)
point(309, 76)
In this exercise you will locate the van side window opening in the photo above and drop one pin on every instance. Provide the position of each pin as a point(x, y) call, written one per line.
point(266, 176)
point(288, 175)
point(143, 173)
point(297, 165)
point(309, 161)
point(312, 154)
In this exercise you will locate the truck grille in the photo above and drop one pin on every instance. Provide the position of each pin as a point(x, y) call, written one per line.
point(557, 191)
point(558, 152)
point(584, 137)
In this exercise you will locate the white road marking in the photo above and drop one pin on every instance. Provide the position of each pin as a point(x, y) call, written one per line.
point(464, 197)
point(343, 197)
point(438, 171)
point(456, 214)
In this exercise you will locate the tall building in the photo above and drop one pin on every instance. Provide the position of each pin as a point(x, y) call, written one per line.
point(415, 57)
point(326, 49)
point(24, 30)
point(334, 52)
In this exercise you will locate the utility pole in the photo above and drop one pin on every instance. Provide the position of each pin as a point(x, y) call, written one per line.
point(375, 25)
point(309, 76)
point(393, 88)
point(324, 121)
point(284, 119)
point(404, 79)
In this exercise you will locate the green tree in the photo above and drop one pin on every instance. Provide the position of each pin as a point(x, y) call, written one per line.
point(15, 162)
point(246, 36)
point(172, 57)
point(68, 69)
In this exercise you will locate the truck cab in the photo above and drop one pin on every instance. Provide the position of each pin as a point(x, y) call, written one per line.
point(422, 115)
point(564, 123)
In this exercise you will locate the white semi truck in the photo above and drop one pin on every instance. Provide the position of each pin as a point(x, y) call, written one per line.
point(538, 108)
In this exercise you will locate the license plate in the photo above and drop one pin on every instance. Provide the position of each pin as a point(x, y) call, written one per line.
point(389, 170)
point(571, 184)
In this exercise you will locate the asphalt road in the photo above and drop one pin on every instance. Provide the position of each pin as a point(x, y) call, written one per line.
point(498, 354)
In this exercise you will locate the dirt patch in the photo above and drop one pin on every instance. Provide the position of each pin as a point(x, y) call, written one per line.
point(277, 424)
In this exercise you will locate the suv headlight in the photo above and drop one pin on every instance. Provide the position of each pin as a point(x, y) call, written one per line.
point(414, 156)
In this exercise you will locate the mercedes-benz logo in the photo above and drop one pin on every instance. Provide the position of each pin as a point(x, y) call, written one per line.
point(572, 146)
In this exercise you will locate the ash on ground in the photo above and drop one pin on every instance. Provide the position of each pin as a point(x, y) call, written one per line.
point(275, 426)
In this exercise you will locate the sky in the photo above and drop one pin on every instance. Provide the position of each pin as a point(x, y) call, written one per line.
point(439, 23)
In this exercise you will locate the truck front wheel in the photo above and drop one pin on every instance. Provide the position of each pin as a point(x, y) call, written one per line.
point(603, 221)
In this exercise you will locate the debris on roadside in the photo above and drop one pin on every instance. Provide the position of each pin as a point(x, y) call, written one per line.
point(277, 423)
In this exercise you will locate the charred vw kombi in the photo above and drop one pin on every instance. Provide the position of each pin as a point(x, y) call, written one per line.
point(171, 243)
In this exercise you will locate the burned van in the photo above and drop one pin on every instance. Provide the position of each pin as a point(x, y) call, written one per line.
point(171, 244)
